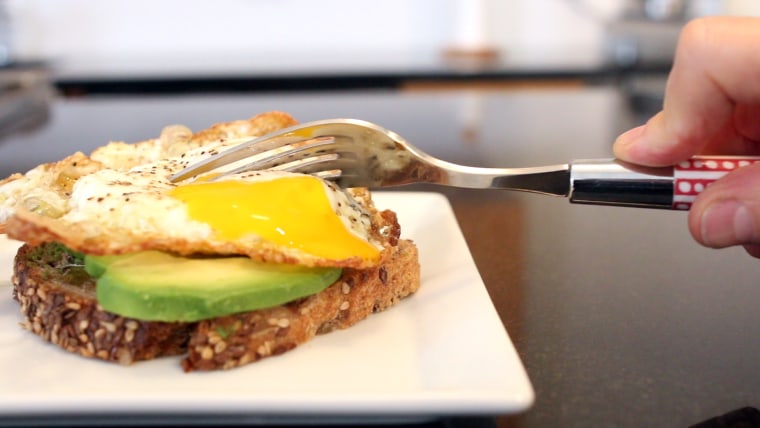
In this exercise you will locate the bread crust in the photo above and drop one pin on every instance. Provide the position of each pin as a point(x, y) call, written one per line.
point(69, 316)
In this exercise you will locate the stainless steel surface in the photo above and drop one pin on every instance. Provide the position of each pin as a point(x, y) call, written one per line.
point(613, 182)
point(357, 153)
point(620, 317)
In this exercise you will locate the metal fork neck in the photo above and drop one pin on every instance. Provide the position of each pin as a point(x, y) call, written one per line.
point(613, 182)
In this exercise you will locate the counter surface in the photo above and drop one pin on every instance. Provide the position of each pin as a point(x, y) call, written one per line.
point(619, 317)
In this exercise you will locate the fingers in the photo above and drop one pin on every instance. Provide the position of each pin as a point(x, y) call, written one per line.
point(741, 136)
point(747, 120)
point(716, 67)
point(727, 213)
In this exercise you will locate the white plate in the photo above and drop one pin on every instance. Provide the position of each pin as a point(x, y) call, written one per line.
point(440, 352)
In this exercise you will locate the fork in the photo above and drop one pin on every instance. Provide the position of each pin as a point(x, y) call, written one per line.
point(357, 153)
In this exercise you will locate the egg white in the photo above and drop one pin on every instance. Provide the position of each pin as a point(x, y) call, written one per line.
point(134, 204)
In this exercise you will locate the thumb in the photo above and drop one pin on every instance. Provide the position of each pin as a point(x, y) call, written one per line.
point(727, 213)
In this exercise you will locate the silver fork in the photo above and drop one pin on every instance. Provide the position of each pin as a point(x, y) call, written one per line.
point(356, 153)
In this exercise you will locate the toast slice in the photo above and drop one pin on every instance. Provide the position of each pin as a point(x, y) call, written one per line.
point(58, 301)
point(58, 298)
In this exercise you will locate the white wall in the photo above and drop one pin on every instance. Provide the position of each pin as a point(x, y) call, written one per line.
point(95, 28)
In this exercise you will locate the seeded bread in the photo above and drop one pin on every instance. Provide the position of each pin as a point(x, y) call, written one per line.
point(58, 300)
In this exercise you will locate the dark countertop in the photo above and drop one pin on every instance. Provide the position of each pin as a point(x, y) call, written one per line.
point(619, 317)
point(334, 70)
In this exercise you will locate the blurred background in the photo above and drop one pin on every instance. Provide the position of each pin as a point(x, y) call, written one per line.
point(87, 46)
point(90, 47)
point(88, 30)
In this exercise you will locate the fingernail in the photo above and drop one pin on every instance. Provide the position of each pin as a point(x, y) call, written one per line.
point(727, 223)
point(630, 136)
point(626, 140)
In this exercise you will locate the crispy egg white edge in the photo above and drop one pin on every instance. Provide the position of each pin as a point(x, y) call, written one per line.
point(109, 193)
point(121, 195)
point(29, 191)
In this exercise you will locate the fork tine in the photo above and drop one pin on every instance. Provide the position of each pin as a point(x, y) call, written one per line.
point(300, 156)
point(309, 164)
point(237, 153)
point(257, 145)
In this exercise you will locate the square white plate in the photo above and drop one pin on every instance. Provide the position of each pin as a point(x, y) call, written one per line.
point(440, 352)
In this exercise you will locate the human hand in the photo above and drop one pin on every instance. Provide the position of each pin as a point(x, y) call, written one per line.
point(711, 106)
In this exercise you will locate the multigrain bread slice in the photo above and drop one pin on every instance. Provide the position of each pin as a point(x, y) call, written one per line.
point(58, 301)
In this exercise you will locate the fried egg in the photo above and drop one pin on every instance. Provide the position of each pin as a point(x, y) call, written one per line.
point(271, 216)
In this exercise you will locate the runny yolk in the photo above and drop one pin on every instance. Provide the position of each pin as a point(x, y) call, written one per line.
point(294, 212)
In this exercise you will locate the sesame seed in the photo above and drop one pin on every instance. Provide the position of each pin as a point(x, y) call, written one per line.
point(265, 349)
point(245, 359)
point(207, 353)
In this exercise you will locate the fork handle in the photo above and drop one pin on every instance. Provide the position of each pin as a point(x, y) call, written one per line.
point(614, 182)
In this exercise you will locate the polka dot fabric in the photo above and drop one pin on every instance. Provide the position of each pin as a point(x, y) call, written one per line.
point(694, 175)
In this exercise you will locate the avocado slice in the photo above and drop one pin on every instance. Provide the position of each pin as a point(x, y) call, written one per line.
point(96, 265)
point(157, 286)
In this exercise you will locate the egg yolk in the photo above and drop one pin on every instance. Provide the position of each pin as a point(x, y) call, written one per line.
point(294, 212)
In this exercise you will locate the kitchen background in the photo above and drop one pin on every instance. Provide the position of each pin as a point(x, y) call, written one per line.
point(79, 35)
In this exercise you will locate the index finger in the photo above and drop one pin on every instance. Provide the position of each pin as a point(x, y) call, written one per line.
point(716, 66)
